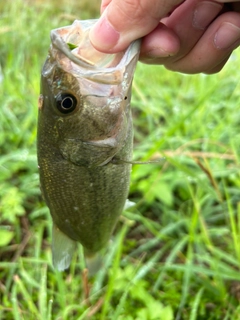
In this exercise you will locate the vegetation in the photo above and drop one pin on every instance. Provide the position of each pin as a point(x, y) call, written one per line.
point(176, 254)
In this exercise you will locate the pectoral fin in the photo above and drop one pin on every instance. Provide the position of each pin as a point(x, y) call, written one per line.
point(62, 249)
point(93, 263)
point(128, 204)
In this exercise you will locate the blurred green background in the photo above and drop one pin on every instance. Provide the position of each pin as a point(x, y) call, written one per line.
point(176, 254)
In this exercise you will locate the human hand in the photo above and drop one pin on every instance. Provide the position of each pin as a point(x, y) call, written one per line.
point(208, 32)
point(198, 36)
point(123, 21)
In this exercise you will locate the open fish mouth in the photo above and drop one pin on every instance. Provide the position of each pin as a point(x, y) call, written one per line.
point(75, 53)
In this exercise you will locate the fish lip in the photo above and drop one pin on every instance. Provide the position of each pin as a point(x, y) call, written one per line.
point(61, 45)
point(111, 75)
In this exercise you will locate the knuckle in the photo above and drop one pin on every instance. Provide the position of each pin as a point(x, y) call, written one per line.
point(138, 10)
point(130, 9)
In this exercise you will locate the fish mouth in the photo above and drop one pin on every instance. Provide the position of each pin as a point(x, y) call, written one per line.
point(73, 43)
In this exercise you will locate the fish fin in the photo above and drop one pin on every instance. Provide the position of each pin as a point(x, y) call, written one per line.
point(128, 204)
point(93, 263)
point(62, 249)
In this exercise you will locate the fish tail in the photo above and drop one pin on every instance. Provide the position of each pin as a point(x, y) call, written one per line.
point(62, 249)
point(93, 263)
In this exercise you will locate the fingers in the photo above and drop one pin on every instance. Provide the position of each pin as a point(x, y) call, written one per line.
point(223, 1)
point(188, 22)
point(207, 40)
point(123, 21)
point(213, 49)
point(161, 42)
point(104, 5)
point(198, 35)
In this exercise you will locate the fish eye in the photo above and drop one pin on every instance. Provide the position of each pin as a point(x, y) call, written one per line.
point(66, 102)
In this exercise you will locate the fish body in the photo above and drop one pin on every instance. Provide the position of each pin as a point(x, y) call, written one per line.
point(84, 127)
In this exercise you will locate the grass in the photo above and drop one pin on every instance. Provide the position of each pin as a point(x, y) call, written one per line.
point(176, 254)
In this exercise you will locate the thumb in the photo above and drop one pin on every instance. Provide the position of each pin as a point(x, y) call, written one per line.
point(126, 20)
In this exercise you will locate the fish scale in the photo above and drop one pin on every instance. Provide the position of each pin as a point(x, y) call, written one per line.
point(81, 131)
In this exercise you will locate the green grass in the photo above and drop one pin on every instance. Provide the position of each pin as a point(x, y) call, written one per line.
point(176, 254)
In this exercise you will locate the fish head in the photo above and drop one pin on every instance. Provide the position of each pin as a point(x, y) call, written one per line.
point(85, 96)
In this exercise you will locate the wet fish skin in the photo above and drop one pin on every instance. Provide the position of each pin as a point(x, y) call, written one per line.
point(84, 200)
point(83, 188)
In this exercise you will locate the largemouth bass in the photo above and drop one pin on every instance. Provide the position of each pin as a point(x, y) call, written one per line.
point(85, 139)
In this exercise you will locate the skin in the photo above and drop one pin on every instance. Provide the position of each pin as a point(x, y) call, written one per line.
point(190, 36)
point(85, 199)
point(78, 147)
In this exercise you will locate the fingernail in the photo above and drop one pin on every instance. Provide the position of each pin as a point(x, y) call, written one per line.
point(204, 13)
point(158, 53)
point(103, 36)
point(226, 36)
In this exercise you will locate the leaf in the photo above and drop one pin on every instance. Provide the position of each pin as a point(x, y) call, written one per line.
point(11, 205)
point(71, 46)
point(5, 237)
point(163, 192)
point(160, 190)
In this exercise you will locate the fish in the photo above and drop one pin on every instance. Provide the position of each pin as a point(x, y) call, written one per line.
point(84, 141)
